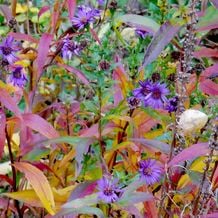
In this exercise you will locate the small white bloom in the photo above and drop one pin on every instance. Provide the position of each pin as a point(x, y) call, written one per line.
point(191, 121)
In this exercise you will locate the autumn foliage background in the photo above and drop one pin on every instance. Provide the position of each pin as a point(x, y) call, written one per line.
point(108, 108)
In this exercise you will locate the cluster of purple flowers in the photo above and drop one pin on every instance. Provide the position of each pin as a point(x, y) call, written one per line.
point(85, 16)
point(8, 50)
point(150, 171)
point(109, 191)
point(153, 94)
point(70, 48)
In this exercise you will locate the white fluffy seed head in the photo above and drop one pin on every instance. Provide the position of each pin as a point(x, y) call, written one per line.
point(192, 121)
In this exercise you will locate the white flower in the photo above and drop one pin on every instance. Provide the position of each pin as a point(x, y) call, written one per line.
point(192, 121)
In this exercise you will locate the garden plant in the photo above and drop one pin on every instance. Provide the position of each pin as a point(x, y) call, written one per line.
point(109, 108)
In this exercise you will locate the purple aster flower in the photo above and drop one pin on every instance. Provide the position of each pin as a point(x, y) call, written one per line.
point(8, 49)
point(109, 191)
point(156, 96)
point(86, 15)
point(70, 48)
point(18, 77)
point(142, 91)
point(172, 104)
point(142, 33)
point(150, 171)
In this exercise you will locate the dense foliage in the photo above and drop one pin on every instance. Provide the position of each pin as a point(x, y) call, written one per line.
point(108, 108)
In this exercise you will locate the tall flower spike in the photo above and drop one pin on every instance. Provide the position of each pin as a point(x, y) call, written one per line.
point(150, 171)
point(18, 77)
point(8, 49)
point(109, 191)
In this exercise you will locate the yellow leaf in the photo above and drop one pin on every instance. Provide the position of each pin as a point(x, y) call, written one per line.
point(21, 8)
point(39, 183)
point(9, 88)
point(26, 196)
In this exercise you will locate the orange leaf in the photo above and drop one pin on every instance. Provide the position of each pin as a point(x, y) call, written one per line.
point(39, 183)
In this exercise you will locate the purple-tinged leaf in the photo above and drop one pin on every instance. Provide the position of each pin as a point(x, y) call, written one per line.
point(209, 20)
point(42, 52)
point(161, 38)
point(71, 4)
point(136, 197)
point(215, 3)
point(141, 22)
point(40, 125)
point(164, 147)
point(190, 153)
point(206, 52)
point(205, 81)
point(82, 190)
point(7, 12)
point(43, 10)
point(88, 200)
point(72, 212)
point(23, 36)
point(2, 131)
point(133, 210)
point(75, 71)
point(211, 215)
point(9, 102)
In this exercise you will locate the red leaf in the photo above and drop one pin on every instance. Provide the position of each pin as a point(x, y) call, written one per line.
point(7, 179)
point(42, 52)
point(9, 102)
point(43, 10)
point(206, 52)
point(2, 131)
point(71, 8)
point(40, 125)
point(190, 153)
point(206, 85)
point(75, 71)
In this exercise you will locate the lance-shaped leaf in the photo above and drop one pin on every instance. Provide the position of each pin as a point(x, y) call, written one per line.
point(39, 183)
point(161, 38)
point(23, 36)
point(43, 10)
point(141, 22)
point(131, 196)
point(9, 102)
point(81, 145)
point(2, 131)
point(71, 6)
point(43, 49)
point(190, 153)
point(164, 147)
point(209, 20)
point(40, 125)
point(206, 52)
point(83, 210)
point(205, 81)
point(75, 71)
point(7, 12)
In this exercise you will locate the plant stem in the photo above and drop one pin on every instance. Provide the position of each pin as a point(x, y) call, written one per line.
point(16, 202)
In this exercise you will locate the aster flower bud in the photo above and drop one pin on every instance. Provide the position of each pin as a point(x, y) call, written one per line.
point(191, 121)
